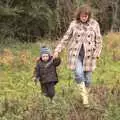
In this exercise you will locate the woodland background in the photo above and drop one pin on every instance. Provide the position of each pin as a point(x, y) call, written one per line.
point(25, 26)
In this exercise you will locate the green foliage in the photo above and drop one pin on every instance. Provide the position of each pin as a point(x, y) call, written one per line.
point(26, 19)
point(20, 99)
point(109, 63)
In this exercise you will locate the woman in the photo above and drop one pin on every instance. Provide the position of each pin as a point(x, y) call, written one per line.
point(84, 47)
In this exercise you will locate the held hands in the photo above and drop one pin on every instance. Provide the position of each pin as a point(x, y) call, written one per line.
point(55, 55)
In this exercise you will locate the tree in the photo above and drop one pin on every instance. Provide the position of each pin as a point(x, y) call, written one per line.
point(115, 25)
point(108, 14)
point(25, 19)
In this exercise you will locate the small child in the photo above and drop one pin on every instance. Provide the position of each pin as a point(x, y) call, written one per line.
point(45, 72)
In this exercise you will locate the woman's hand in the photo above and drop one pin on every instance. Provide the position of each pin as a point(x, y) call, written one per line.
point(55, 55)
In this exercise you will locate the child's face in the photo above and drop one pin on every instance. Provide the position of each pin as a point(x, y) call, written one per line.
point(45, 57)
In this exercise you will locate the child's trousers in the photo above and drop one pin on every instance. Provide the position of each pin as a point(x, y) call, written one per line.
point(48, 89)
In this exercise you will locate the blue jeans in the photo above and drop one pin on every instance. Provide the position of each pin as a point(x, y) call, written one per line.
point(81, 75)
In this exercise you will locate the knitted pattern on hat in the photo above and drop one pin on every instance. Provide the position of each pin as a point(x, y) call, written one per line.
point(44, 50)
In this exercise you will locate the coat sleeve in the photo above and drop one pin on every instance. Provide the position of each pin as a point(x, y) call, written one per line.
point(98, 41)
point(57, 61)
point(65, 38)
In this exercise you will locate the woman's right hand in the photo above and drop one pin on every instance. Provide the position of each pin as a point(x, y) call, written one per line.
point(55, 55)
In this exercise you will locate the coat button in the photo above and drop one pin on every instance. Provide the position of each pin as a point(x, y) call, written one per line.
point(78, 35)
point(88, 56)
point(88, 36)
point(89, 50)
point(75, 48)
point(76, 41)
point(89, 43)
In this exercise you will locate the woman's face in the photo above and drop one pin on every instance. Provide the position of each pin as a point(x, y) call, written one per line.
point(84, 17)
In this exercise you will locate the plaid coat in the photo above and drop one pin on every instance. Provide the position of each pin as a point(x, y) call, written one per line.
point(87, 34)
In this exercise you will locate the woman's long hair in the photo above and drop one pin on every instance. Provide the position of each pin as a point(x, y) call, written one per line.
point(86, 9)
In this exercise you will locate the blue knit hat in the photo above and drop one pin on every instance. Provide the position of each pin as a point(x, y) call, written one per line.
point(45, 50)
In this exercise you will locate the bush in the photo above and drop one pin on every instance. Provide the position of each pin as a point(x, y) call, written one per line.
point(113, 46)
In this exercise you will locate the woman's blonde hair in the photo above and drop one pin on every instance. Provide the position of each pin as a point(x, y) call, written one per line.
point(83, 9)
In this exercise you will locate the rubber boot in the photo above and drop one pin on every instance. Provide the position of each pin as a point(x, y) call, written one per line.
point(84, 94)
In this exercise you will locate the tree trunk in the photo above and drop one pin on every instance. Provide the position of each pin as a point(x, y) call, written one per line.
point(115, 20)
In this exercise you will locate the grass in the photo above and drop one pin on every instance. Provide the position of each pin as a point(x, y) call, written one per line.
point(20, 99)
